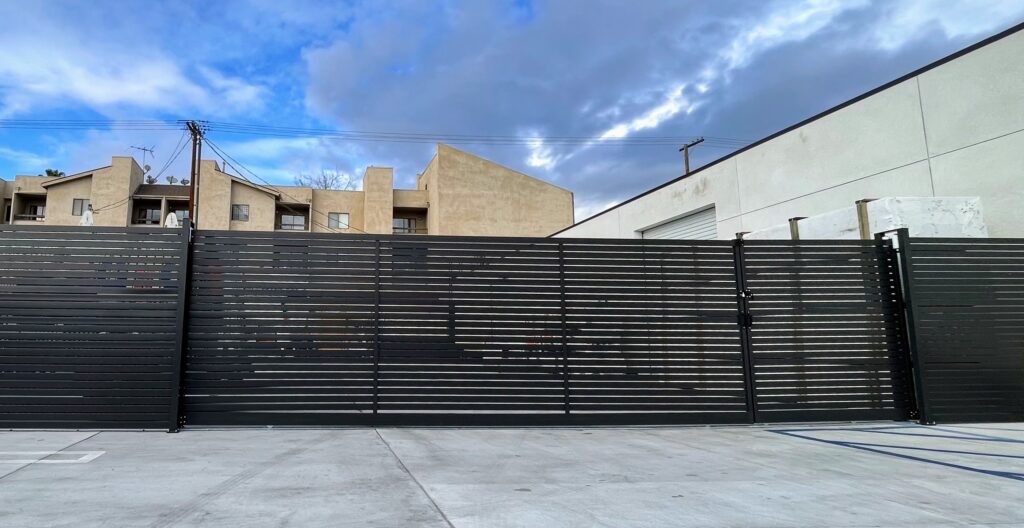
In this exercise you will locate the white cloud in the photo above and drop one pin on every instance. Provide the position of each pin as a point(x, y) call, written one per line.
point(232, 90)
point(956, 19)
point(586, 209)
point(25, 161)
point(794, 23)
point(47, 61)
point(268, 148)
point(541, 155)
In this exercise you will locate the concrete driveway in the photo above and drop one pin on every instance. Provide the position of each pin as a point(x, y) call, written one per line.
point(849, 475)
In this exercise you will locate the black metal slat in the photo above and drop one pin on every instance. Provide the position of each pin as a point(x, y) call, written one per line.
point(967, 315)
point(799, 346)
point(87, 326)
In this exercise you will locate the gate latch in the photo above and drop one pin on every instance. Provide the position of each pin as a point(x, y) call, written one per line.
point(745, 320)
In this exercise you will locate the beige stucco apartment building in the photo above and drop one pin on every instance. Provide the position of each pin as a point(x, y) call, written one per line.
point(457, 194)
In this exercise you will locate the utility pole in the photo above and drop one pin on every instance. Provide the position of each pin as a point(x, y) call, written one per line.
point(197, 155)
point(685, 149)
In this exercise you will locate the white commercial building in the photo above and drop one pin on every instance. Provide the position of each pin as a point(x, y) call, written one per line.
point(954, 128)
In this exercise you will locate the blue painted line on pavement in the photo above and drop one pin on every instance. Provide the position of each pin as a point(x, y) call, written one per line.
point(872, 449)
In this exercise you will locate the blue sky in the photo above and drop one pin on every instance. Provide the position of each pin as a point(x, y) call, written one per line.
point(523, 68)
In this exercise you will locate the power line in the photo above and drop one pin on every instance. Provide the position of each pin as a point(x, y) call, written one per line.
point(368, 136)
point(226, 156)
point(178, 149)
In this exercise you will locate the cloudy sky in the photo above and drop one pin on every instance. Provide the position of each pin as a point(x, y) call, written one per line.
point(537, 70)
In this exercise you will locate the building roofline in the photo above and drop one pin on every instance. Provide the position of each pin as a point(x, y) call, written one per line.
point(65, 179)
point(265, 189)
point(948, 58)
point(545, 182)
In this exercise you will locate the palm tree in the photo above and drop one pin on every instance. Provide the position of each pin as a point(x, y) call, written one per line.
point(53, 173)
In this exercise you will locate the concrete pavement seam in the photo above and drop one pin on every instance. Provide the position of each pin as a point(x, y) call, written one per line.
point(73, 444)
point(414, 479)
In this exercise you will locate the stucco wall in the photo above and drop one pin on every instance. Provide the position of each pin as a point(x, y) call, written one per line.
point(428, 182)
point(329, 201)
point(110, 187)
point(214, 197)
point(378, 199)
point(261, 208)
point(60, 200)
point(480, 197)
point(955, 130)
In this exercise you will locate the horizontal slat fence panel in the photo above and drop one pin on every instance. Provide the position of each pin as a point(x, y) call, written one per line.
point(826, 338)
point(89, 326)
point(968, 310)
point(652, 329)
point(470, 327)
point(299, 328)
point(281, 329)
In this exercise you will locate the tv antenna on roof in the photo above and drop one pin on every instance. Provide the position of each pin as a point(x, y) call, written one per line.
point(144, 152)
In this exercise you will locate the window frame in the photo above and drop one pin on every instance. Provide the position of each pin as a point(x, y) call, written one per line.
point(81, 205)
point(408, 228)
point(239, 208)
point(292, 226)
point(143, 216)
point(338, 221)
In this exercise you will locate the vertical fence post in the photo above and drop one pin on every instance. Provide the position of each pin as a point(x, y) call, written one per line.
point(744, 320)
point(376, 327)
point(906, 260)
point(565, 332)
point(175, 417)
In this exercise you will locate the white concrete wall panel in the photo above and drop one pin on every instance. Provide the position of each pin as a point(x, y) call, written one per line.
point(875, 135)
point(955, 130)
point(775, 232)
point(929, 217)
point(976, 97)
point(993, 171)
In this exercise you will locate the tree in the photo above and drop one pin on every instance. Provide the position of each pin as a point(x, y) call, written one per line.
point(327, 179)
point(53, 173)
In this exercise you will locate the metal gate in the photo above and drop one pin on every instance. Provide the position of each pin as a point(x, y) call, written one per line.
point(322, 329)
point(966, 308)
point(825, 330)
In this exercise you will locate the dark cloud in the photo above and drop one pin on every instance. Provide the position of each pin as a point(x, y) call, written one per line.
point(578, 68)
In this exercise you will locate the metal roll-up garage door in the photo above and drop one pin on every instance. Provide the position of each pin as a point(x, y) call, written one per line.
point(696, 226)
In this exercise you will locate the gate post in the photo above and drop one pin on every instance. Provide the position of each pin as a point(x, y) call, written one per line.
point(905, 256)
point(565, 333)
point(175, 417)
point(744, 321)
point(376, 329)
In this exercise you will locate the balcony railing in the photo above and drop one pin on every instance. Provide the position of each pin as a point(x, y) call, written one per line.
point(36, 217)
point(409, 231)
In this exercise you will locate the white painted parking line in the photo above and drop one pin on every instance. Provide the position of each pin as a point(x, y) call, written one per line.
point(41, 457)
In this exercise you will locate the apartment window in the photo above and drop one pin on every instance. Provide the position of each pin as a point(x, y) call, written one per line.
point(337, 220)
point(240, 212)
point(79, 206)
point(35, 212)
point(182, 214)
point(291, 222)
point(403, 225)
point(147, 216)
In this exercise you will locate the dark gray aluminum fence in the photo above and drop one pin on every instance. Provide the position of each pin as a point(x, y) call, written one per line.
point(90, 322)
point(325, 329)
point(826, 333)
point(967, 307)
